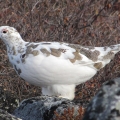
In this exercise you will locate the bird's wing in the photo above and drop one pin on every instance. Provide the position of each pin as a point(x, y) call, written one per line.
point(96, 57)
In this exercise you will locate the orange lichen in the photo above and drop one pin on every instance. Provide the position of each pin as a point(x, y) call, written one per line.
point(69, 114)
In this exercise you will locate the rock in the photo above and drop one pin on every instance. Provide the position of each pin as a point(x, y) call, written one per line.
point(8, 101)
point(43, 108)
point(6, 116)
point(106, 103)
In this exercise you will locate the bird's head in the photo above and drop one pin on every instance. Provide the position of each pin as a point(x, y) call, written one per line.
point(9, 34)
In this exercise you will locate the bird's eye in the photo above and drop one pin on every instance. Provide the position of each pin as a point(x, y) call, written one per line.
point(4, 31)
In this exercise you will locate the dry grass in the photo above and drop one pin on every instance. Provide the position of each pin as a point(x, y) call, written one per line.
point(88, 22)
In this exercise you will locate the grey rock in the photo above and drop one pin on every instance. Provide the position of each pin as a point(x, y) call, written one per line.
point(43, 107)
point(106, 103)
point(6, 116)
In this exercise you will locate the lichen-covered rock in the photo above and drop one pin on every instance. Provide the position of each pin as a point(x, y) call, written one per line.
point(106, 104)
point(43, 108)
point(8, 101)
point(6, 116)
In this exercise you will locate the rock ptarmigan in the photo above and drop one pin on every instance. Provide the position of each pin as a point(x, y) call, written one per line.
point(55, 66)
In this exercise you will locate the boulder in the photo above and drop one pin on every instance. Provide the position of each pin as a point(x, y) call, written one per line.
point(44, 107)
point(106, 103)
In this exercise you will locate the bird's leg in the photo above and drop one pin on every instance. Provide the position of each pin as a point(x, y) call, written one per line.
point(64, 91)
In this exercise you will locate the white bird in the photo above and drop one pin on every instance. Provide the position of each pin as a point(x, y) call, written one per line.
point(55, 66)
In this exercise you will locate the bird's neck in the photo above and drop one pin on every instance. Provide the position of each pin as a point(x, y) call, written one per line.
point(14, 48)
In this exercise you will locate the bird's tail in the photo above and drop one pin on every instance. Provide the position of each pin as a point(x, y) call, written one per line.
point(107, 53)
point(115, 48)
point(108, 50)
